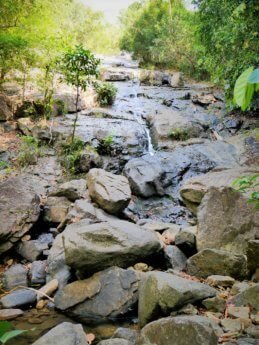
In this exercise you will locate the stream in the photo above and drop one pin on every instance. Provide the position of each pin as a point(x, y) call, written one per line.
point(141, 123)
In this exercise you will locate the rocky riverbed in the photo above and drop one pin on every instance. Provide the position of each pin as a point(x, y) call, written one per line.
point(149, 243)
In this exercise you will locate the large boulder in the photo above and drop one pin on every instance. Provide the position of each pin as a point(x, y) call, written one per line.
point(194, 189)
point(161, 293)
point(66, 333)
point(217, 262)
point(5, 108)
point(109, 294)
point(72, 190)
point(144, 175)
point(180, 330)
point(19, 210)
point(226, 221)
point(91, 248)
point(111, 192)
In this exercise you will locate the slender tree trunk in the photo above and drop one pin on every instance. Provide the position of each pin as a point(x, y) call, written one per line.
point(76, 117)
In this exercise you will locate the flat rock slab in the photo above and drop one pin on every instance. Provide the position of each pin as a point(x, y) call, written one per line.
point(10, 314)
point(94, 247)
point(107, 295)
point(160, 293)
point(181, 330)
point(111, 192)
point(66, 334)
point(217, 262)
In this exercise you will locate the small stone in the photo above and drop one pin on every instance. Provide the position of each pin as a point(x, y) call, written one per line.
point(217, 280)
point(253, 331)
point(26, 238)
point(213, 316)
point(10, 314)
point(235, 325)
point(186, 240)
point(38, 272)
point(255, 318)
point(141, 267)
point(56, 209)
point(18, 298)
point(239, 287)
point(41, 304)
point(31, 250)
point(47, 289)
point(15, 276)
point(175, 258)
point(249, 297)
point(46, 239)
point(126, 333)
point(215, 304)
point(188, 309)
point(238, 312)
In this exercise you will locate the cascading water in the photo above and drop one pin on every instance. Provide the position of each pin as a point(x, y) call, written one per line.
point(137, 111)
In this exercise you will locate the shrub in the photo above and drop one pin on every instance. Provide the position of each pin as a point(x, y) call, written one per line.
point(179, 134)
point(71, 152)
point(106, 93)
point(106, 145)
point(29, 151)
point(249, 184)
point(61, 107)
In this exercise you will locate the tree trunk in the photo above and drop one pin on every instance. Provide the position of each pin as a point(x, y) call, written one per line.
point(76, 117)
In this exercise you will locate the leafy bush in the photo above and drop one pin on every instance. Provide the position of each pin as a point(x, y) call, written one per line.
point(106, 145)
point(29, 151)
point(179, 134)
point(249, 183)
point(71, 152)
point(106, 93)
point(61, 107)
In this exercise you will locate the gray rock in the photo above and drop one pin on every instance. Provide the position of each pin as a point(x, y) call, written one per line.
point(91, 248)
point(72, 190)
point(19, 207)
point(56, 209)
point(66, 333)
point(160, 293)
point(215, 304)
point(111, 192)
point(239, 287)
point(10, 314)
point(18, 298)
point(15, 276)
point(88, 160)
point(253, 256)
point(126, 333)
point(115, 342)
point(249, 297)
point(217, 280)
point(6, 108)
point(38, 272)
point(175, 258)
point(186, 240)
point(145, 175)
point(217, 262)
point(107, 295)
point(253, 331)
point(219, 209)
point(46, 239)
point(180, 330)
point(31, 250)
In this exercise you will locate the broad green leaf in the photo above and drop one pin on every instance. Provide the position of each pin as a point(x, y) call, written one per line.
point(10, 335)
point(5, 326)
point(240, 89)
point(254, 77)
point(249, 95)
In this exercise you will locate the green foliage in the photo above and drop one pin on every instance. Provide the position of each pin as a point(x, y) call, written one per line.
point(106, 93)
point(106, 145)
point(78, 66)
point(229, 33)
point(29, 151)
point(7, 332)
point(246, 85)
point(179, 134)
point(249, 184)
point(162, 33)
point(61, 107)
point(71, 152)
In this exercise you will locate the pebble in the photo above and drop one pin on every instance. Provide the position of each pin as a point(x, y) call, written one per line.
point(238, 312)
point(217, 280)
point(10, 314)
